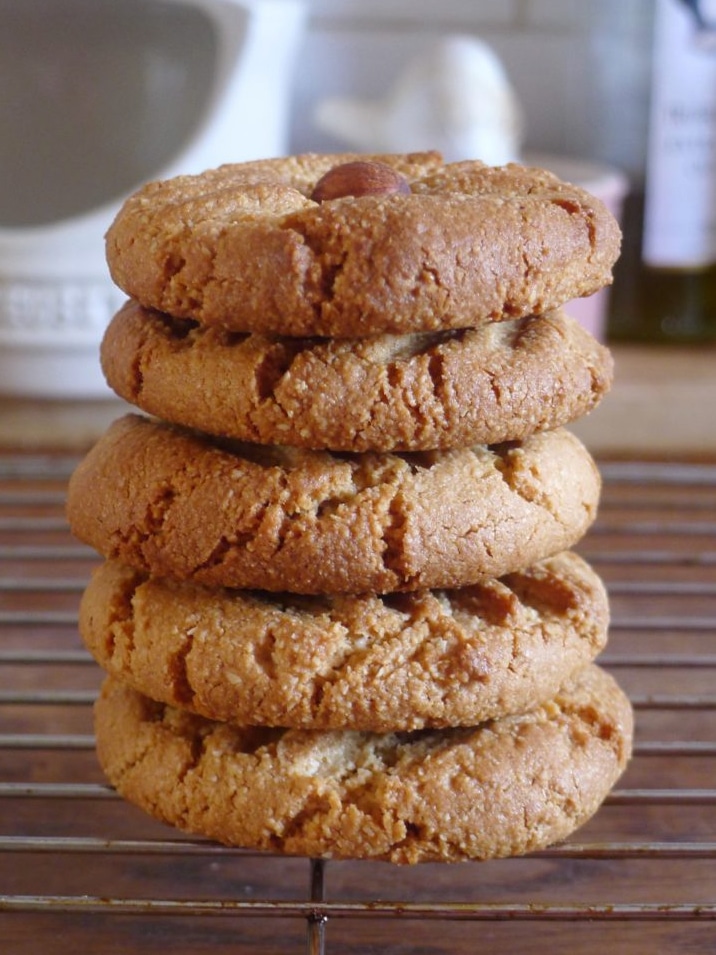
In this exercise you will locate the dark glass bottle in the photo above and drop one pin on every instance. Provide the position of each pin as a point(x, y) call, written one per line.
point(649, 304)
point(665, 282)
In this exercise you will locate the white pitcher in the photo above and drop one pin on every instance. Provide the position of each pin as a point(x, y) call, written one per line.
point(98, 97)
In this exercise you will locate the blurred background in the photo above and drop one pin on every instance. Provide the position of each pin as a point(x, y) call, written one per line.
point(99, 96)
point(579, 68)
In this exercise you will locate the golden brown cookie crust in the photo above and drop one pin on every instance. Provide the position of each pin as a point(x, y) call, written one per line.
point(504, 788)
point(502, 381)
point(244, 246)
point(179, 505)
point(424, 659)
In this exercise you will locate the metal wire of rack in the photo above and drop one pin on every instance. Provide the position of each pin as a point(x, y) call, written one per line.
point(80, 869)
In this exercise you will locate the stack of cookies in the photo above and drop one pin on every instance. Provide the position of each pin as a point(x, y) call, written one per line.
point(339, 610)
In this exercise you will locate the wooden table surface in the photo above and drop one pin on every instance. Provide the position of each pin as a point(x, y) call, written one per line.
point(82, 871)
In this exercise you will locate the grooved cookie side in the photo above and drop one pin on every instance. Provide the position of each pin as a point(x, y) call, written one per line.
point(179, 505)
point(502, 381)
point(424, 659)
point(503, 788)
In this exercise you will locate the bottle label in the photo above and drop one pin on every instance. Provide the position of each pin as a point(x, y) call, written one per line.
point(680, 211)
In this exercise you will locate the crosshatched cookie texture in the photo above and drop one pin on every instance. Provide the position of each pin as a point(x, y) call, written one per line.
point(180, 505)
point(502, 381)
point(245, 247)
point(397, 662)
point(503, 788)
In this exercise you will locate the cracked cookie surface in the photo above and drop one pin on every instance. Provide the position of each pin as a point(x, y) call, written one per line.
point(180, 505)
point(503, 788)
point(397, 662)
point(244, 246)
point(502, 381)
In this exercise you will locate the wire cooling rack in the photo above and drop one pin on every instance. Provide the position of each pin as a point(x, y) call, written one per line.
point(80, 870)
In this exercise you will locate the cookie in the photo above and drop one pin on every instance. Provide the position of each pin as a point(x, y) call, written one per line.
point(180, 505)
point(421, 659)
point(245, 246)
point(503, 788)
point(502, 381)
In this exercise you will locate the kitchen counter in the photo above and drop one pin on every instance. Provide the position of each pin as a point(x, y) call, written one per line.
point(662, 404)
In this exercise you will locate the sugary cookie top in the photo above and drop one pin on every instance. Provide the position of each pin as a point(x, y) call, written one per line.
point(247, 247)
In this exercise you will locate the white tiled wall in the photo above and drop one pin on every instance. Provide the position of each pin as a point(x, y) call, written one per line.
point(579, 67)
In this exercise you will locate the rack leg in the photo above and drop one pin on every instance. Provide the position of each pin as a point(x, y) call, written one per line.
point(316, 936)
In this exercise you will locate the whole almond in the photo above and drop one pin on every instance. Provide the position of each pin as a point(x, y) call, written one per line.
point(359, 178)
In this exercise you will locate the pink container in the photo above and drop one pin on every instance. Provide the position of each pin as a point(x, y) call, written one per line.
point(611, 186)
